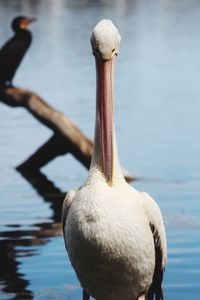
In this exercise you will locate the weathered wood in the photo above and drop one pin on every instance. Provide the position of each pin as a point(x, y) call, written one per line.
point(54, 147)
point(80, 145)
point(67, 136)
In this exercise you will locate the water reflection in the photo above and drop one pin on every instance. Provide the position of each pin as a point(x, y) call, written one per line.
point(18, 242)
point(47, 190)
point(10, 277)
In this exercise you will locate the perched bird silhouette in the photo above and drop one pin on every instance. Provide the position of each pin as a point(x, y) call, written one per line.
point(13, 51)
point(114, 235)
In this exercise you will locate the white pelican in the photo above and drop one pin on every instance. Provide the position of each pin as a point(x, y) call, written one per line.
point(114, 235)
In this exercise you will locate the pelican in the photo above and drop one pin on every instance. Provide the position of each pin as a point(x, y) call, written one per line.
point(114, 235)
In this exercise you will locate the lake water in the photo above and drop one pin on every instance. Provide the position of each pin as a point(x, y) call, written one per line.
point(157, 123)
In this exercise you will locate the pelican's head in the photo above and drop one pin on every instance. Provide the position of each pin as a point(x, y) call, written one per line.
point(105, 40)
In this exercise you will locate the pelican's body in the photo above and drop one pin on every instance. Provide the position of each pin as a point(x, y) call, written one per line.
point(114, 235)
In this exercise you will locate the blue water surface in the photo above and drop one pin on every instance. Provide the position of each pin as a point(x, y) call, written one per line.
point(157, 125)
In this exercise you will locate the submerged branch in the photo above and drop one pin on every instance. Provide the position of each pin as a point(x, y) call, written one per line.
point(67, 137)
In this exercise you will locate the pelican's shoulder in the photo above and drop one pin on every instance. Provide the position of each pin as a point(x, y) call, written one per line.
point(156, 222)
point(151, 209)
point(66, 204)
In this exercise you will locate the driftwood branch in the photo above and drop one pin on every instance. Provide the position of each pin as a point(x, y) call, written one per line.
point(67, 137)
point(54, 147)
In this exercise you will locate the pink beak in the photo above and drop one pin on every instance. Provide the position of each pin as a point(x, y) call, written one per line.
point(105, 110)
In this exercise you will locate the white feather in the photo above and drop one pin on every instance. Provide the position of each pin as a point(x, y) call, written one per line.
point(108, 229)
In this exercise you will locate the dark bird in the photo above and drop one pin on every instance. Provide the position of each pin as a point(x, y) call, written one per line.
point(13, 51)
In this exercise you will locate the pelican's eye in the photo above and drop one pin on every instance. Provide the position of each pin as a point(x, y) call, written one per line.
point(113, 50)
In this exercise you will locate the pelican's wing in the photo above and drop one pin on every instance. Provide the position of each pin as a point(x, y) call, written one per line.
point(66, 205)
point(156, 223)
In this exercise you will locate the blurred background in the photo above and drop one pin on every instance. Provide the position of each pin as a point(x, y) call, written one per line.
point(157, 124)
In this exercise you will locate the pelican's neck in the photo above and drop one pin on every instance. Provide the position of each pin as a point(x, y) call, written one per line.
point(105, 158)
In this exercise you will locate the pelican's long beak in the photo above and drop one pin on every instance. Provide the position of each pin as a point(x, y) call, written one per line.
point(105, 111)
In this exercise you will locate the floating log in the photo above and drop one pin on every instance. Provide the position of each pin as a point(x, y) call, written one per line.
point(67, 137)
